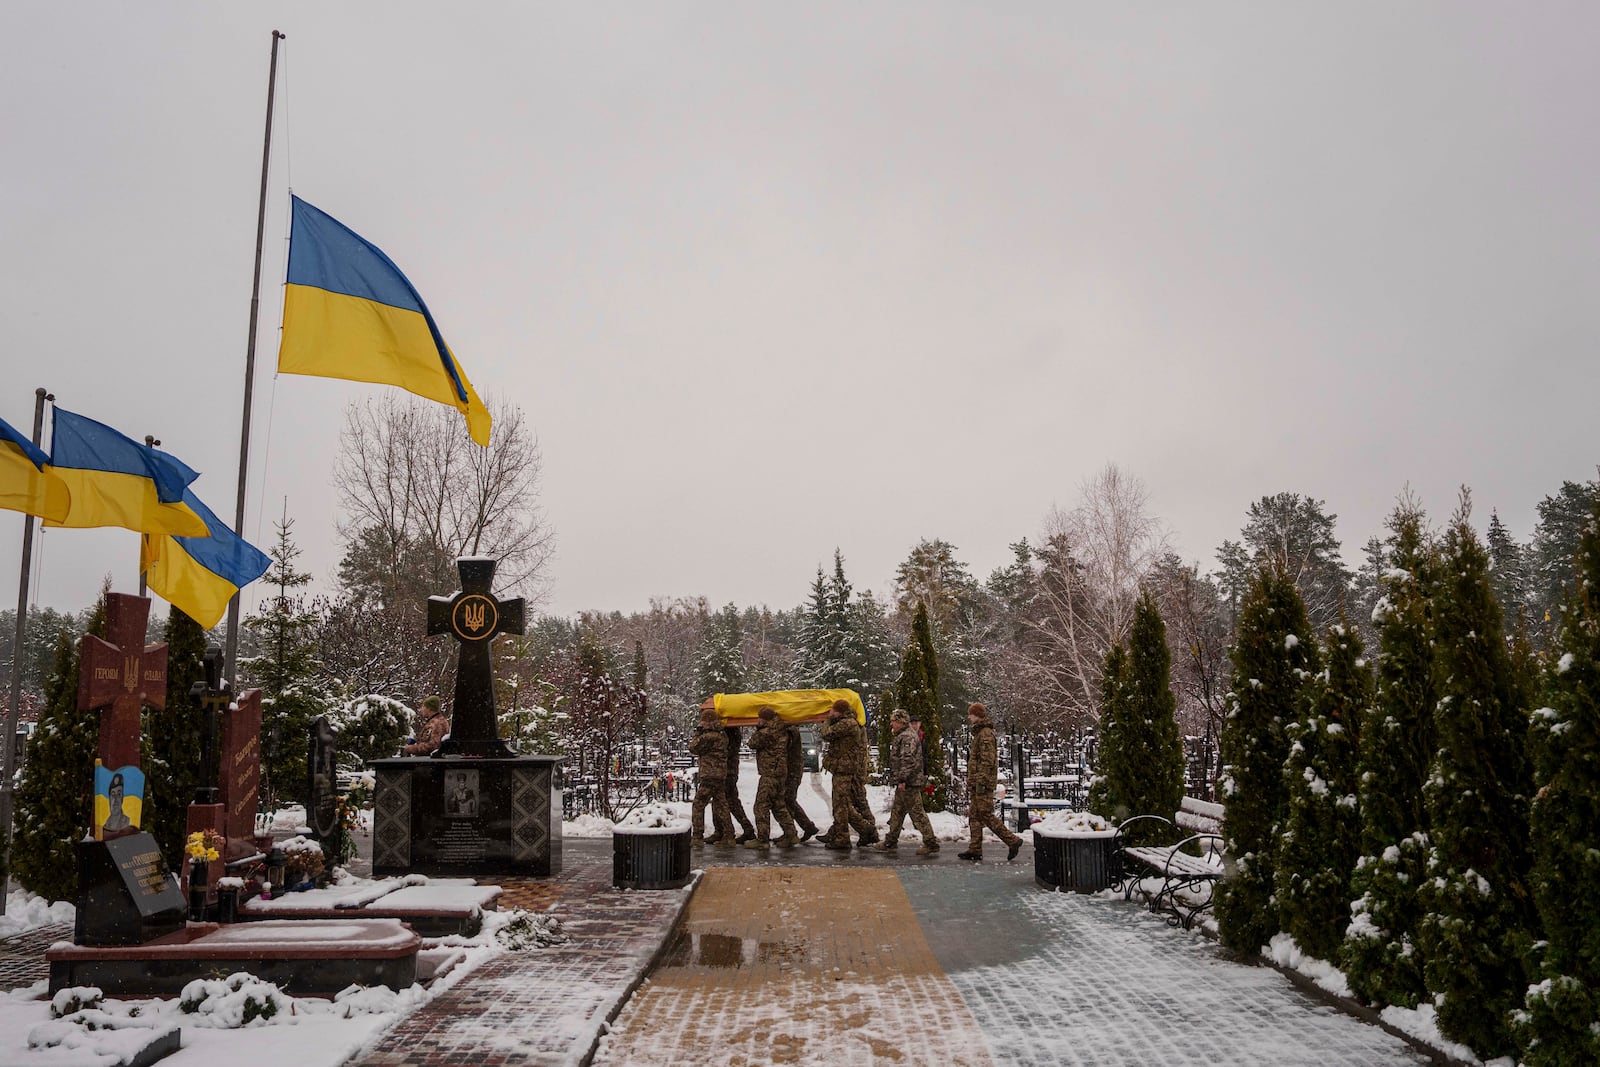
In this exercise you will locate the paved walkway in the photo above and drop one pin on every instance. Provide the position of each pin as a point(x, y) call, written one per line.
point(547, 1006)
point(22, 960)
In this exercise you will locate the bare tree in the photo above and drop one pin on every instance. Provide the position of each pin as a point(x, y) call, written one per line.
point(1090, 566)
point(418, 493)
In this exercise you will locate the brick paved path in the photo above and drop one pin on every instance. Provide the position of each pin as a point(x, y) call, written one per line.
point(1055, 978)
point(547, 1006)
point(22, 956)
point(797, 965)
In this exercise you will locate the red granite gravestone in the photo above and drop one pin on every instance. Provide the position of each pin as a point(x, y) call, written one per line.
point(240, 774)
point(121, 676)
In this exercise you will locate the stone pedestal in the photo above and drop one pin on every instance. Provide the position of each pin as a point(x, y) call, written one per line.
point(458, 816)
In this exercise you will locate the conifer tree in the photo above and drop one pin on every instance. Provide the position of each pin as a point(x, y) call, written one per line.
point(287, 673)
point(1479, 921)
point(719, 668)
point(1111, 753)
point(57, 788)
point(885, 736)
point(1155, 756)
point(170, 739)
point(1562, 1024)
point(915, 693)
point(1381, 955)
point(1318, 849)
point(1273, 658)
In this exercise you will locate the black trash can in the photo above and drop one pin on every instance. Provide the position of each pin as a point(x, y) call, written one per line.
point(650, 860)
point(1081, 862)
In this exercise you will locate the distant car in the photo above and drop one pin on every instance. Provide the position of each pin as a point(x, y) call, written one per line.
point(811, 746)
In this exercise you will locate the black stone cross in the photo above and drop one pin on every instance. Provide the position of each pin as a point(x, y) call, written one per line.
point(474, 618)
point(213, 697)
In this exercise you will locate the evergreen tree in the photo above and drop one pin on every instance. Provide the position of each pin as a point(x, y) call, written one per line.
point(1141, 755)
point(1508, 569)
point(170, 739)
point(373, 727)
point(1110, 754)
point(1479, 918)
point(1293, 534)
point(820, 658)
point(719, 668)
point(1273, 658)
point(1562, 1027)
point(1562, 516)
point(1381, 955)
point(1318, 848)
point(287, 672)
point(915, 693)
point(885, 732)
point(54, 798)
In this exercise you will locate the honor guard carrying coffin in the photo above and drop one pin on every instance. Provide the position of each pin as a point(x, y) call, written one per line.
point(770, 743)
point(710, 746)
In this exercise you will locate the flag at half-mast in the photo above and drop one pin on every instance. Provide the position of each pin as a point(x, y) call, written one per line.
point(199, 575)
point(116, 481)
point(349, 313)
point(26, 482)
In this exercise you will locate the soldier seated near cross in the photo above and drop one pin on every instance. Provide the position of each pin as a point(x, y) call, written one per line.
point(432, 728)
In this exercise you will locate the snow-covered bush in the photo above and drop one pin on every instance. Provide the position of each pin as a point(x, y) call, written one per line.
point(239, 1000)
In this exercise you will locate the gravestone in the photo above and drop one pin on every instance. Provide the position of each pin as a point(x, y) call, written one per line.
point(126, 895)
point(120, 676)
point(473, 807)
point(240, 776)
point(474, 617)
point(322, 788)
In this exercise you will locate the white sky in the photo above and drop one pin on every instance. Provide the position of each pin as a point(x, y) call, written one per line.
point(770, 280)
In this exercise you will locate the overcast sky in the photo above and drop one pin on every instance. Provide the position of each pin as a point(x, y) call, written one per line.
point(771, 279)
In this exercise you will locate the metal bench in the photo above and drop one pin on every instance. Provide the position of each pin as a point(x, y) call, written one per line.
point(1187, 878)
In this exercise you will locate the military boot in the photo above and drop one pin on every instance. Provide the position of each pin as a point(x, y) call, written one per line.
point(787, 841)
point(929, 848)
point(697, 842)
point(887, 846)
point(759, 843)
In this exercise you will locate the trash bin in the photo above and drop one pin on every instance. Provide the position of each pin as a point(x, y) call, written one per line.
point(650, 858)
point(1078, 860)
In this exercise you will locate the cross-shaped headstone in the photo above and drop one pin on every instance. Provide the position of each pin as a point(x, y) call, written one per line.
point(121, 676)
point(213, 697)
point(474, 617)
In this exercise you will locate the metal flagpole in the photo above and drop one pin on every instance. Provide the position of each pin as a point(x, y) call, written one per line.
point(14, 709)
point(149, 442)
point(250, 359)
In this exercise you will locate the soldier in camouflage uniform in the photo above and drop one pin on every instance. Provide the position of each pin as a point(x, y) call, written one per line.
point(842, 759)
point(735, 807)
point(983, 772)
point(770, 743)
point(795, 775)
point(710, 746)
point(908, 778)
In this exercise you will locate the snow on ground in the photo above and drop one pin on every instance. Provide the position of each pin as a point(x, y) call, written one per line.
point(816, 793)
point(24, 912)
point(304, 1031)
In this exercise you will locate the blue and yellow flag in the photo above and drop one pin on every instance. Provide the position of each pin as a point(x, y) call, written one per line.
point(115, 481)
point(199, 575)
point(25, 483)
point(349, 313)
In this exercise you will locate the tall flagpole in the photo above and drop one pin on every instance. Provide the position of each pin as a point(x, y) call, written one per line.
point(14, 709)
point(250, 359)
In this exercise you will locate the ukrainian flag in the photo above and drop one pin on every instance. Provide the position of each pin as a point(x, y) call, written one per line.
point(349, 313)
point(115, 481)
point(25, 483)
point(199, 575)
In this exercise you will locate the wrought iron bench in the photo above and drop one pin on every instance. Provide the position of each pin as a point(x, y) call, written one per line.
point(1187, 877)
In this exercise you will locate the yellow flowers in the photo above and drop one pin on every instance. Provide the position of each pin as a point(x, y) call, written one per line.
point(204, 845)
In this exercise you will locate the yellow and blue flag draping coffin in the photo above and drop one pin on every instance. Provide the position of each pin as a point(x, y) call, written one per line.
point(349, 313)
point(26, 483)
point(199, 575)
point(116, 481)
point(792, 705)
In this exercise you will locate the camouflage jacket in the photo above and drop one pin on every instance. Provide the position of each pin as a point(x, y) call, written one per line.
point(429, 735)
point(710, 744)
point(797, 754)
point(983, 761)
point(770, 743)
point(842, 755)
point(905, 759)
point(732, 773)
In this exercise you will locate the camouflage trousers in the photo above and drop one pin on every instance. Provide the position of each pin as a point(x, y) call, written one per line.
point(791, 799)
point(845, 813)
point(710, 791)
point(908, 801)
point(770, 804)
point(980, 813)
point(736, 806)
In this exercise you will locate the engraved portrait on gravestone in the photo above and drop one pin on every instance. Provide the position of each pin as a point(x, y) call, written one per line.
point(461, 794)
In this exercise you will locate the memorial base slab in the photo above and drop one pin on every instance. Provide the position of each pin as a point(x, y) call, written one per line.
point(461, 816)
